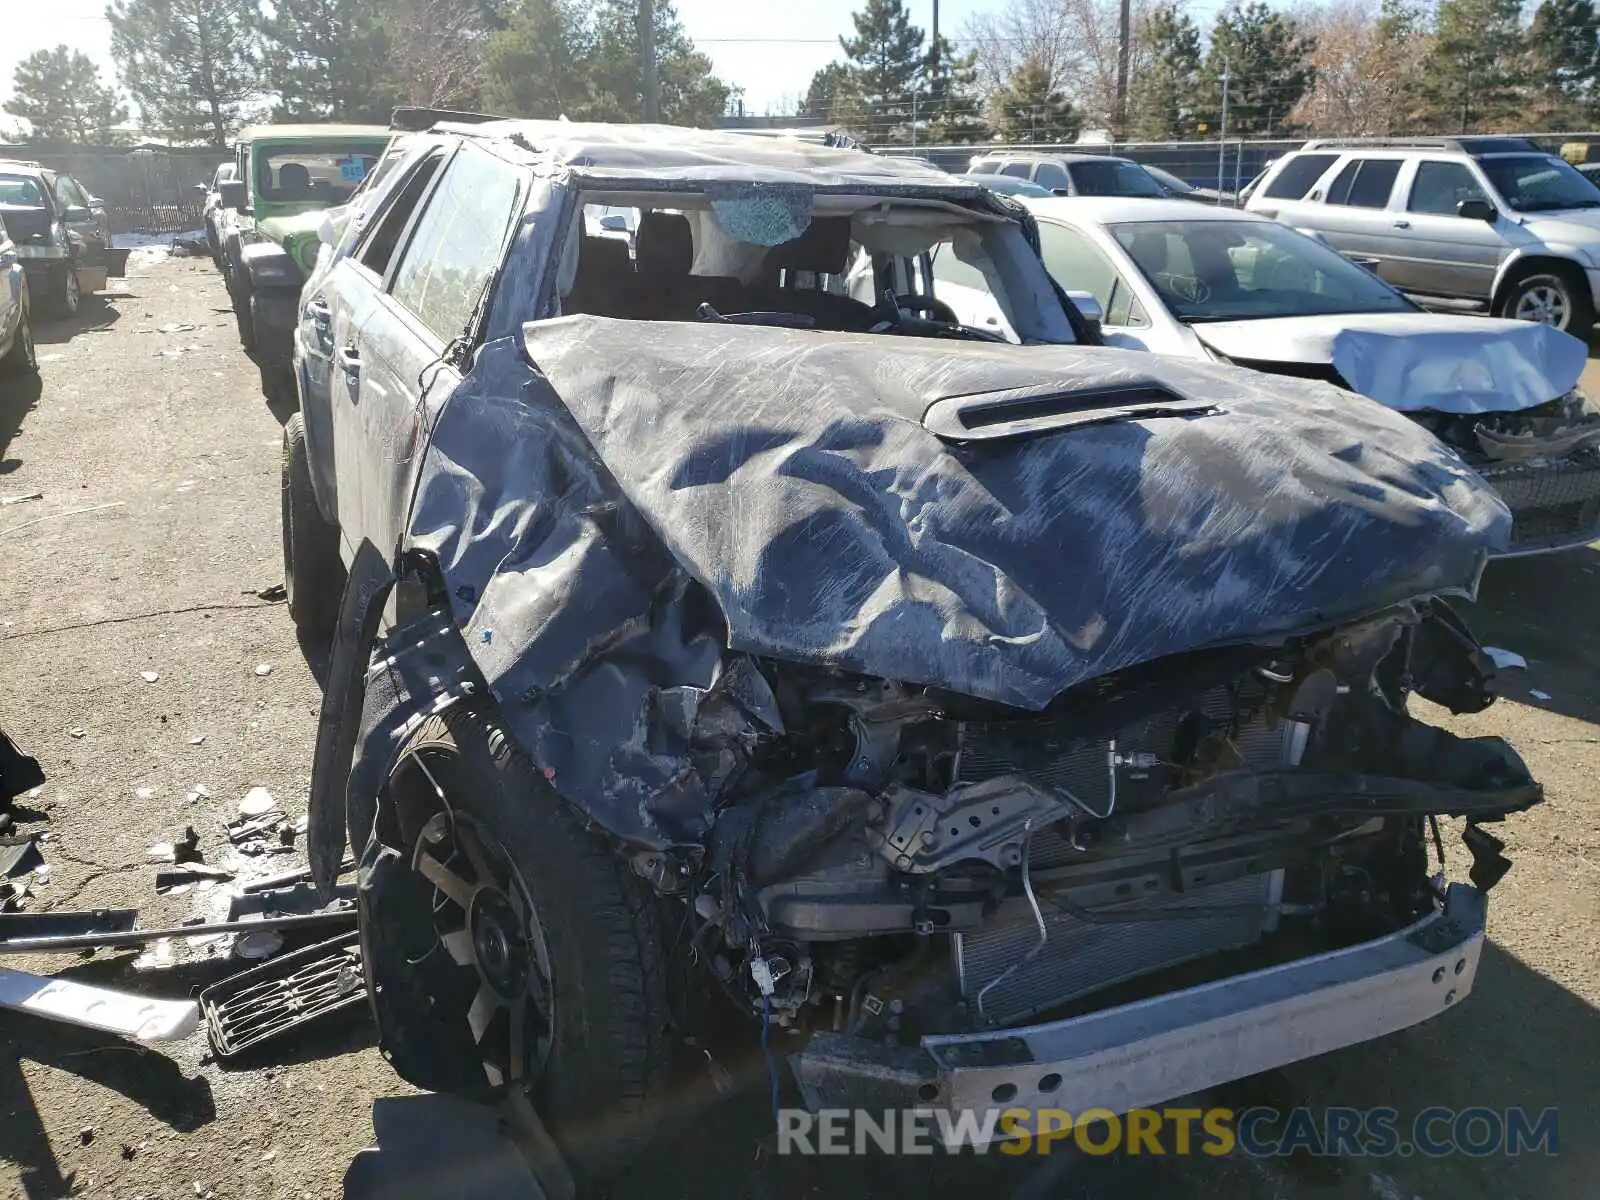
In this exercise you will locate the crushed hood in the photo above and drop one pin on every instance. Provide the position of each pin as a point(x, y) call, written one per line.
point(1417, 362)
point(792, 475)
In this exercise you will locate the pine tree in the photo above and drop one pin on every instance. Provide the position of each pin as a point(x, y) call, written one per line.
point(1474, 76)
point(1162, 96)
point(60, 94)
point(1032, 109)
point(888, 63)
point(1267, 58)
point(192, 65)
point(950, 111)
point(538, 65)
point(1564, 45)
point(329, 60)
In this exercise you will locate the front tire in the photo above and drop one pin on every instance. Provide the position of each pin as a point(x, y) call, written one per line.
point(22, 358)
point(1551, 295)
point(523, 921)
point(66, 297)
point(313, 573)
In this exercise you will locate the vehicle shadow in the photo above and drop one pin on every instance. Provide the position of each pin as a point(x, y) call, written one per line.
point(1527, 605)
point(148, 1078)
point(18, 397)
point(95, 314)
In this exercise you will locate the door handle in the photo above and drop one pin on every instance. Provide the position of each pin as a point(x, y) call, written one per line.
point(350, 360)
point(1402, 223)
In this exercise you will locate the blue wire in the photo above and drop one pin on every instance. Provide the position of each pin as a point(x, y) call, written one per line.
point(772, 1070)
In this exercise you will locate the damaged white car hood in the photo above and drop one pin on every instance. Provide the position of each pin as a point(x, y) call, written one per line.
point(1416, 362)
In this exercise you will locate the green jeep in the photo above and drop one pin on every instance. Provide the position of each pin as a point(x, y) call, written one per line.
point(287, 176)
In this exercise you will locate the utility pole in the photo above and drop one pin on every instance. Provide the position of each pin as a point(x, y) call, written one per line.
point(647, 56)
point(1222, 141)
point(1124, 48)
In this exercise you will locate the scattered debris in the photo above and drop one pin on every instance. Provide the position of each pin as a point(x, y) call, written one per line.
point(139, 1017)
point(275, 593)
point(23, 498)
point(257, 944)
point(86, 1135)
point(1538, 695)
point(265, 1002)
point(257, 802)
point(19, 856)
point(129, 1150)
point(1505, 659)
point(162, 852)
point(197, 793)
point(41, 875)
point(263, 669)
point(77, 731)
point(170, 881)
point(25, 941)
point(197, 740)
point(176, 327)
point(149, 676)
point(143, 792)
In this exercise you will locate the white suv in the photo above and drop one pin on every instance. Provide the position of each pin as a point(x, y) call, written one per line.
point(1491, 224)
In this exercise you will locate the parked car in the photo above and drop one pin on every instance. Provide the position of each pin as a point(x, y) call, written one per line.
point(1068, 174)
point(286, 177)
point(17, 356)
point(707, 629)
point(212, 211)
point(1182, 189)
point(60, 232)
point(1491, 224)
point(1229, 285)
point(1008, 185)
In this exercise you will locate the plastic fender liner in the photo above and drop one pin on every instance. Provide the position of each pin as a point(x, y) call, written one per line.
point(366, 591)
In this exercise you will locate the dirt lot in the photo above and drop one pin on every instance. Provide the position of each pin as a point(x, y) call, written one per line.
point(157, 461)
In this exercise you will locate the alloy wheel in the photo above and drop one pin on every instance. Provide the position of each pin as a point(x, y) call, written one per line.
point(1543, 302)
point(485, 921)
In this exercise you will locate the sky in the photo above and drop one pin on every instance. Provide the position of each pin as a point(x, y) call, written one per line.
point(770, 48)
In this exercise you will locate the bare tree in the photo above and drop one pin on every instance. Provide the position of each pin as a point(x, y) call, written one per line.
point(1368, 62)
point(439, 48)
point(1076, 41)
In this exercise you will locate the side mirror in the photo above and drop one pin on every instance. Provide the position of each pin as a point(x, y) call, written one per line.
point(1088, 308)
point(232, 194)
point(201, 188)
point(1477, 210)
point(614, 223)
point(76, 213)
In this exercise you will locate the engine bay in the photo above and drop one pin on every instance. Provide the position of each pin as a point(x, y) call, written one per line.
point(889, 860)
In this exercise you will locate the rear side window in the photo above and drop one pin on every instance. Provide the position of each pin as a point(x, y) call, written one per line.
point(455, 246)
point(984, 166)
point(1365, 183)
point(1299, 172)
point(1017, 170)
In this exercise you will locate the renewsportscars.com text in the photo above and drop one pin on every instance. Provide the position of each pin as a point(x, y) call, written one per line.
point(1215, 1132)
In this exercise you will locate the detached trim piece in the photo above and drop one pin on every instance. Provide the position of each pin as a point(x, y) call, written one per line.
point(1020, 412)
point(1152, 1050)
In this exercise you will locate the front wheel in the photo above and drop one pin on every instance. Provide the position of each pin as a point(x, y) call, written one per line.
point(66, 296)
point(508, 946)
point(1551, 296)
point(313, 573)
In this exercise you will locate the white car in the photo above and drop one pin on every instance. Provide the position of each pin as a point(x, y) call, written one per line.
point(1178, 278)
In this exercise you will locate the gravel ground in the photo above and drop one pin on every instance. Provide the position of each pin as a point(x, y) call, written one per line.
point(157, 461)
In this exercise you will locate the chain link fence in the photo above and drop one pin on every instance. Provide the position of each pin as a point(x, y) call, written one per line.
point(148, 190)
point(1227, 166)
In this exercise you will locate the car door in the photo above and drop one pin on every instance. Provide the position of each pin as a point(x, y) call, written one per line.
point(1445, 253)
point(11, 285)
point(1356, 217)
point(329, 335)
point(443, 274)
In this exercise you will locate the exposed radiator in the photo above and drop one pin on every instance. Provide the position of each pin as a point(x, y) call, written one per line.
point(1083, 956)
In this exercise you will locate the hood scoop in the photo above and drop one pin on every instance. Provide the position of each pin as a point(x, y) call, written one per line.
point(1045, 408)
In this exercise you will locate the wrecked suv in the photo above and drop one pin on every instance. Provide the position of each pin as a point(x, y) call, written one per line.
point(714, 637)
